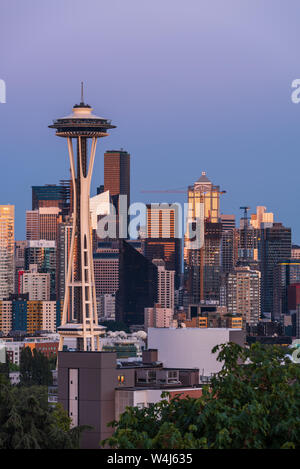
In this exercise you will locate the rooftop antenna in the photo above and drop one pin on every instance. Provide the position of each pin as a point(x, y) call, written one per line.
point(82, 93)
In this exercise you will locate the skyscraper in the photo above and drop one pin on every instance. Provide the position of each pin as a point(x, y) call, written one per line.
point(229, 246)
point(228, 222)
point(202, 265)
point(211, 267)
point(7, 234)
point(204, 192)
point(64, 237)
point(242, 293)
point(52, 195)
point(162, 239)
point(275, 246)
point(286, 273)
point(117, 173)
point(117, 182)
point(165, 285)
point(137, 285)
point(106, 272)
point(20, 247)
point(43, 223)
point(32, 225)
point(261, 217)
point(80, 296)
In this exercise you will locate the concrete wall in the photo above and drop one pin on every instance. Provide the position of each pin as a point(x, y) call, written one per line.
point(191, 347)
point(97, 380)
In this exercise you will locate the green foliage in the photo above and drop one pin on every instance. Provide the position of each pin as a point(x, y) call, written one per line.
point(4, 368)
point(252, 403)
point(115, 326)
point(63, 421)
point(13, 366)
point(35, 368)
point(28, 422)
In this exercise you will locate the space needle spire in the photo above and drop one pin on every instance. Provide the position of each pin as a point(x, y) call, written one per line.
point(82, 101)
point(79, 318)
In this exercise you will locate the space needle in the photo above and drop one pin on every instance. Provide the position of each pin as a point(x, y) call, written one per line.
point(79, 318)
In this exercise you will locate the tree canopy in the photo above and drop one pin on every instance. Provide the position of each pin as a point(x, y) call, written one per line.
point(35, 368)
point(252, 403)
point(28, 422)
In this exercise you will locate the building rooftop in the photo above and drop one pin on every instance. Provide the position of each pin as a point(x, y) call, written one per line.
point(204, 178)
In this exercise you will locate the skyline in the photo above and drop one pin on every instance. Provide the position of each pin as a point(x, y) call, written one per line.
point(164, 91)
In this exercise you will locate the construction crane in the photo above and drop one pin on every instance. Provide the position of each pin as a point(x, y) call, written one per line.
point(172, 191)
point(165, 191)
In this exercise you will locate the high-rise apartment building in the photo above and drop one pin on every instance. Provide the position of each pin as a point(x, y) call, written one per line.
point(43, 223)
point(49, 218)
point(7, 247)
point(106, 271)
point(43, 255)
point(165, 285)
point(32, 225)
point(5, 317)
point(248, 244)
point(36, 284)
point(106, 306)
point(275, 246)
point(21, 314)
point(20, 247)
point(41, 316)
point(228, 243)
point(64, 235)
point(242, 288)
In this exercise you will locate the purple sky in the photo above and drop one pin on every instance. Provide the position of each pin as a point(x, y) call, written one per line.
point(201, 85)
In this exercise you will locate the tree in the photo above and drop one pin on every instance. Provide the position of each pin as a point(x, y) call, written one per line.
point(115, 326)
point(4, 368)
point(35, 368)
point(28, 422)
point(253, 402)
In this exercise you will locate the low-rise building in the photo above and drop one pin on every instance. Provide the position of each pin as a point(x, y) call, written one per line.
point(95, 389)
point(192, 347)
point(159, 317)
